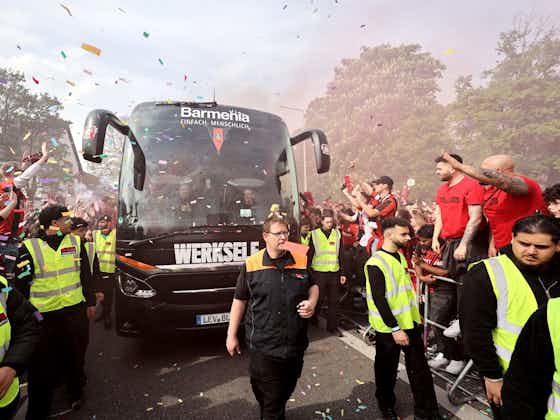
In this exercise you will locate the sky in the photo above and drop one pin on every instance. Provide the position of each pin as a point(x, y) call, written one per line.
point(274, 56)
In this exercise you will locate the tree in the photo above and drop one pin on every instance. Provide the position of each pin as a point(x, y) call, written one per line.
point(26, 120)
point(378, 109)
point(517, 111)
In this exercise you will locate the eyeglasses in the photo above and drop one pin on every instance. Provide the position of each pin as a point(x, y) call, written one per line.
point(279, 234)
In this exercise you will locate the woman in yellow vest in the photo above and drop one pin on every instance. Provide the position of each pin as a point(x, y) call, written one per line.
point(531, 388)
point(105, 244)
point(394, 315)
point(50, 272)
point(19, 335)
point(501, 293)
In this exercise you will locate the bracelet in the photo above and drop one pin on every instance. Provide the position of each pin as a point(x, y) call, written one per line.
point(395, 329)
point(493, 380)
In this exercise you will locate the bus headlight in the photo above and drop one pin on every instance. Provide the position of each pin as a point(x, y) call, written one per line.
point(133, 287)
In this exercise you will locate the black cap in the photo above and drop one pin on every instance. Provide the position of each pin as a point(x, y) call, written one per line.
point(78, 222)
point(50, 213)
point(384, 180)
point(105, 217)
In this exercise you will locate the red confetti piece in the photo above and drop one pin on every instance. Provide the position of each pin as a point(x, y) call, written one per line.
point(35, 80)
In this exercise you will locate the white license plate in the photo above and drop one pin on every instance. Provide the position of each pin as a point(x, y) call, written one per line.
point(212, 319)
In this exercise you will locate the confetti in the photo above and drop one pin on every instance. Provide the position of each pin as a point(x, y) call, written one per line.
point(23, 263)
point(71, 83)
point(285, 7)
point(449, 51)
point(91, 48)
point(54, 142)
point(35, 80)
point(149, 409)
point(63, 54)
point(12, 150)
point(24, 274)
point(3, 82)
point(160, 61)
point(66, 8)
point(162, 162)
point(52, 161)
point(121, 10)
point(359, 382)
point(362, 26)
point(88, 72)
point(6, 289)
point(38, 315)
point(10, 257)
point(146, 34)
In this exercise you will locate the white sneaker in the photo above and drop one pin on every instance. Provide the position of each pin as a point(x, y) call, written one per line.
point(438, 362)
point(454, 330)
point(455, 367)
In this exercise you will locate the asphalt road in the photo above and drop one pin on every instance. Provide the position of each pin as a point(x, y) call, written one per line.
point(192, 377)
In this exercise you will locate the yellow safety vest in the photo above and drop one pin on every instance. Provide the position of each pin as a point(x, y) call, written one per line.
point(515, 304)
point(90, 251)
point(5, 336)
point(305, 239)
point(105, 248)
point(553, 318)
point(399, 292)
point(325, 258)
point(56, 283)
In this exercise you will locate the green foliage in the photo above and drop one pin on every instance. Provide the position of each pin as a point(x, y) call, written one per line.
point(381, 110)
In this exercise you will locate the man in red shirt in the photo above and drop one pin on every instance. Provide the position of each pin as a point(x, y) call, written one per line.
point(458, 216)
point(509, 196)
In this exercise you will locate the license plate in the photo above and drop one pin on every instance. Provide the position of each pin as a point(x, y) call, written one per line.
point(212, 319)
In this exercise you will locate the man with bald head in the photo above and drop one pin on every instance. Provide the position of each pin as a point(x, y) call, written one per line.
point(509, 196)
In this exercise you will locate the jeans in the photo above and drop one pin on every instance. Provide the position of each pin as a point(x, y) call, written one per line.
point(443, 310)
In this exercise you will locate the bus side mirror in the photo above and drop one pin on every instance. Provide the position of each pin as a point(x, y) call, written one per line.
point(320, 145)
point(93, 141)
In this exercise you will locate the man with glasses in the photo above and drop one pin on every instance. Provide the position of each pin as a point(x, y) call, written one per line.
point(279, 295)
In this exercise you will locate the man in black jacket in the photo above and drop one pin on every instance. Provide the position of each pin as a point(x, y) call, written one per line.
point(534, 253)
point(528, 381)
point(24, 336)
point(280, 296)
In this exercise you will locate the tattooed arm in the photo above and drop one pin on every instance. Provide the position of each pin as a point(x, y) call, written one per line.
point(475, 217)
point(511, 184)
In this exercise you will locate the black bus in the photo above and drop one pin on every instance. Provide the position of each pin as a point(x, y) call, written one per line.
point(197, 181)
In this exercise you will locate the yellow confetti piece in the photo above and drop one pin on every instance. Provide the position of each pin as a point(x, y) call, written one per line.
point(149, 408)
point(359, 382)
point(27, 135)
point(67, 213)
point(91, 48)
point(21, 264)
point(12, 150)
point(66, 8)
point(449, 51)
point(71, 83)
point(53, 161)
point(54, 228)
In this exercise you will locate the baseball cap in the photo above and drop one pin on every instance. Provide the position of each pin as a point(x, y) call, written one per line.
point(105, 218)
point(384, 180)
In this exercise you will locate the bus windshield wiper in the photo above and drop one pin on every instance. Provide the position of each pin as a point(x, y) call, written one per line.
point(153, 239)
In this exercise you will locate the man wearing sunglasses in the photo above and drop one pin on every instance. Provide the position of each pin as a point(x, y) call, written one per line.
point(279, 295)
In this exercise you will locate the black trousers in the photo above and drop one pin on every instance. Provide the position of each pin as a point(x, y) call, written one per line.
point(385, 367)
point(8, 412)
point(58, 359)
point(108, 285)
point(328, 292)
point(273, 381)
point(443, 310)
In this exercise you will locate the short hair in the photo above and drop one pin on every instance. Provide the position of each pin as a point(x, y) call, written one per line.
point(551, 194)
point(275, 218)
point(327, 213)
point(453, 155)
point(538, 223)
point(50, 213)
point(426, 231)
point(391, 222)
point(305, 221)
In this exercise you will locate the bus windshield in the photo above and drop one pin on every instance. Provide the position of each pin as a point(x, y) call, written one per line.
point(206, 167)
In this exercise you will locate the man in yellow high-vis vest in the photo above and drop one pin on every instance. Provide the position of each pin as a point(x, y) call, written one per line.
point(501, 293)
point(19, 335)
point(52, 270)
point(325, 262)
point(105, 244)
point(393, 314)
point(531, 388)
